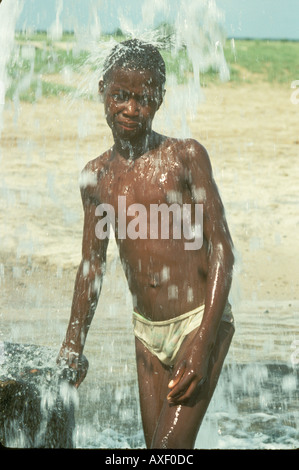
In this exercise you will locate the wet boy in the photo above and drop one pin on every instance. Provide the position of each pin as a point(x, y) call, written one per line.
point(182, 321)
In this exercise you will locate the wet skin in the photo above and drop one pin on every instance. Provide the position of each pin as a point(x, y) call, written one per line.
point(164, 278)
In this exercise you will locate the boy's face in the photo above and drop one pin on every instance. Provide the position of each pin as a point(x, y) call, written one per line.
point(131, 99)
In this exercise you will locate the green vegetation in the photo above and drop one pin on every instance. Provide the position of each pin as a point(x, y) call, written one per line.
point(37, 61)
point(249, 61)
point(270, 61)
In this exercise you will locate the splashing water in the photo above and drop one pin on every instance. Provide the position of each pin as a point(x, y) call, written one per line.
point(198, 29)
point(37, 403)
point(254, 405)
point(9, 14)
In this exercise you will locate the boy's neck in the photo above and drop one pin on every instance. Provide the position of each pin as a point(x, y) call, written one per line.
point(135, 149)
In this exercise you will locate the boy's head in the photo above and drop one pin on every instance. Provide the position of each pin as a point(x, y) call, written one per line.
point(132, 88)
point(134, 54)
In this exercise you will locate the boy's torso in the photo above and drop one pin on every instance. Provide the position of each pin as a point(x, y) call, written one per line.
point(164, 278)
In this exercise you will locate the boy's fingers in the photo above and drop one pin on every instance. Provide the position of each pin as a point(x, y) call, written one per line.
point(178, 375)
point(181, 386)
point(184, 389)
point(185, 394)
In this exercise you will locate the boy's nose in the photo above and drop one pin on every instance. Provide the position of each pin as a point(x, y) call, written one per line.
point(132, 107)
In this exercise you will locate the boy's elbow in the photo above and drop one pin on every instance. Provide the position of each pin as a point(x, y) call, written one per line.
point(228, 255)
point(223, 251)
point(92, 268)
point(92, 274)
point(231, 254)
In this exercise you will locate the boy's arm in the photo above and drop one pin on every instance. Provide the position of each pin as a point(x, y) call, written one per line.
point(87, 288)
point(219, 276)
point(220, 247)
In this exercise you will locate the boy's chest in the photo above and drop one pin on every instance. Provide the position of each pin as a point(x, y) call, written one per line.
point(144, 182)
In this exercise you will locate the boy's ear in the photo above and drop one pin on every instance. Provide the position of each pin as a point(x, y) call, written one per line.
point(101, 87)
point(161, 99)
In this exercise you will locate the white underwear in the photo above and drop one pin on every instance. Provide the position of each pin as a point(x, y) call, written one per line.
point(164, 338)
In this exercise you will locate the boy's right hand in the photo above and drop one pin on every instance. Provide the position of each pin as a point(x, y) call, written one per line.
point(74, 368)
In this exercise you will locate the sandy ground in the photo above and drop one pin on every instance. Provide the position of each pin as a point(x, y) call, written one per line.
point(251, 133)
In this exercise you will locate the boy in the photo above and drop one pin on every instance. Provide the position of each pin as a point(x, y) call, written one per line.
point(183, 325)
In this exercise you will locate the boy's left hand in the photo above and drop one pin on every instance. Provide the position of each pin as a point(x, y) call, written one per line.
point(189, 375)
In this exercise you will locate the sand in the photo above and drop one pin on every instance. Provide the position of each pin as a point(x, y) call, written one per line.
point(251, 134)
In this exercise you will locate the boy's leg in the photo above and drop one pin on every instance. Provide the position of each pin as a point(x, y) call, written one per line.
point(176, 426)
point(153, 379)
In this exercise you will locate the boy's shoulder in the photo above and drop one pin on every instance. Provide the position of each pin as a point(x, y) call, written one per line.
point(188, 143)
point(98, 163)
point(90, 174)
point(189, 149)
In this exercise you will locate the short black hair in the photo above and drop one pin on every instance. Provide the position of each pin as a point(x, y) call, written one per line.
point(137, 55)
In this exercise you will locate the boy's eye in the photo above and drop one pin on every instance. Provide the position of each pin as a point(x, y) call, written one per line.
point(120, 96)
point(123, 96)
point(145, 100)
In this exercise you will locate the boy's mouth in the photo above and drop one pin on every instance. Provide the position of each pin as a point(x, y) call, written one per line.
point(129, 125)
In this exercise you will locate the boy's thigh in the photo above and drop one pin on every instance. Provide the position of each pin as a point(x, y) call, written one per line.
point(153, 379)
point(178, 425)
